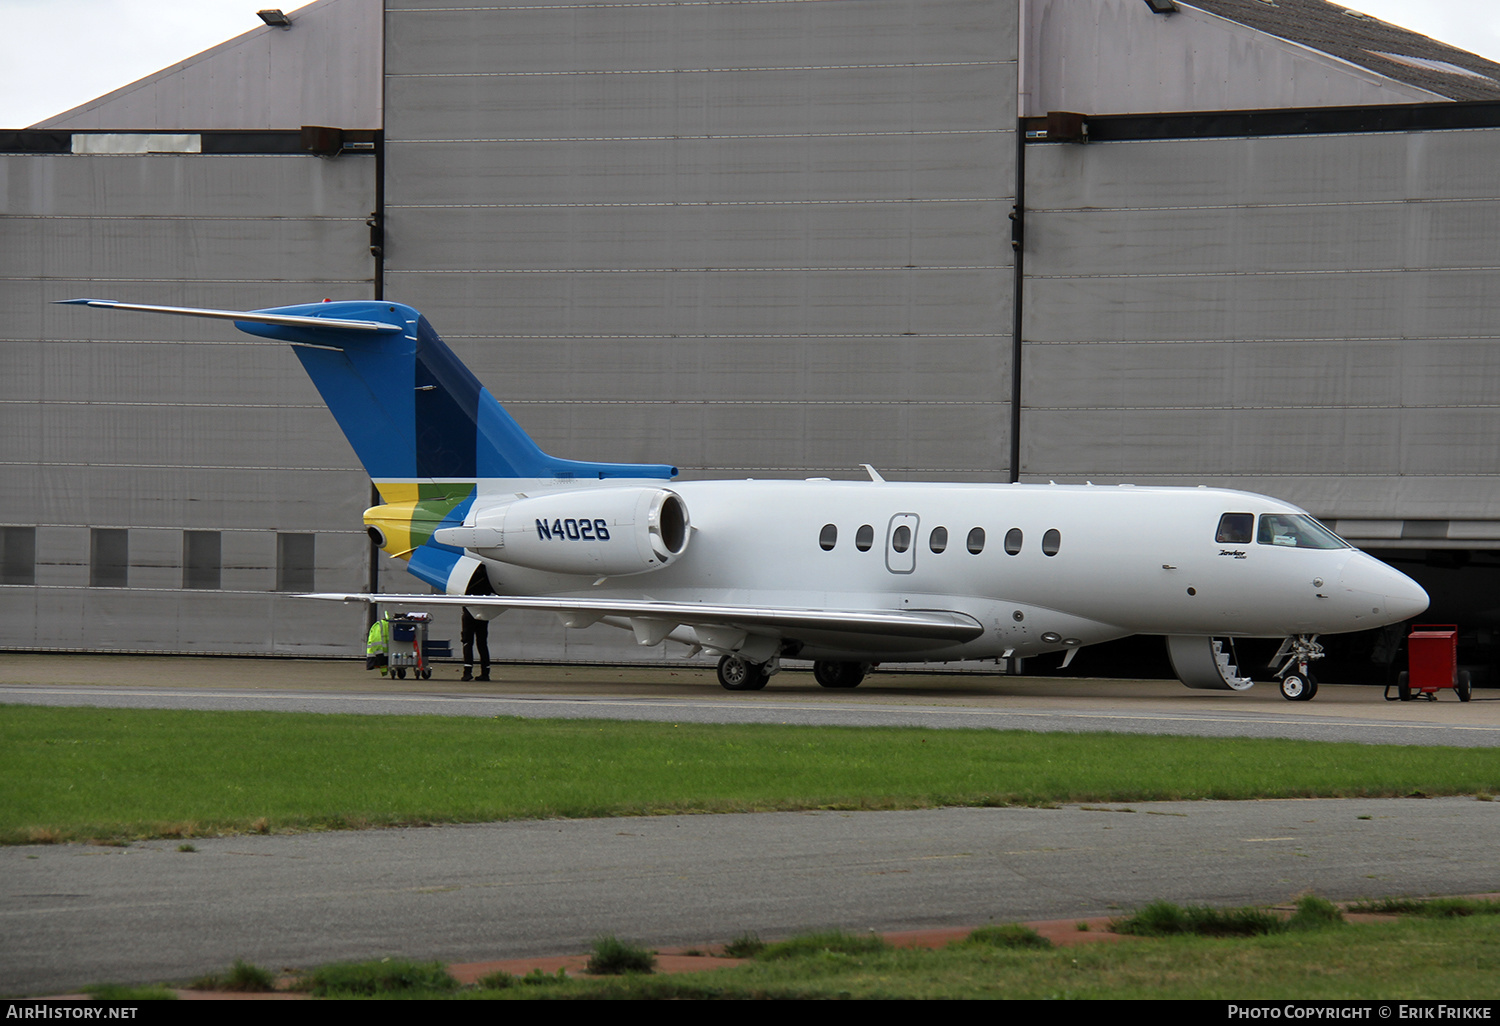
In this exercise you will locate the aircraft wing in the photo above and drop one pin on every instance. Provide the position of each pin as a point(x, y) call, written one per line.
point(935, 625)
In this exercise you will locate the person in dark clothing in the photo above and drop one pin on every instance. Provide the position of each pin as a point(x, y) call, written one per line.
point(475, 631)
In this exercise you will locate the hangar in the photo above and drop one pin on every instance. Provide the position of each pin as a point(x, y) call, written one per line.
point(1252, 246)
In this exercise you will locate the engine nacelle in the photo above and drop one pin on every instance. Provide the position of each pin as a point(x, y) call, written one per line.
point(603, 532)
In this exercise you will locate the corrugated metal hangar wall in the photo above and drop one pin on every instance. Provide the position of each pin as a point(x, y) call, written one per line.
point(745, 238)
point(1299, 303)
point(765, 237)
point(168, 482)
point(742, 237)
point(160, 496)
point(758, 238)
point(1308, 314)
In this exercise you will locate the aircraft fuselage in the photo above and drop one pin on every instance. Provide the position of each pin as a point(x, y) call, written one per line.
point(1056, 566)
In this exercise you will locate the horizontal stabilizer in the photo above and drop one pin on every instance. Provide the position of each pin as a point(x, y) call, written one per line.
point(249, 316)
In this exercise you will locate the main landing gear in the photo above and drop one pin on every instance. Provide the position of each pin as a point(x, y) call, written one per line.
point(840, 675)
point(736, 674)
point(1297, 682)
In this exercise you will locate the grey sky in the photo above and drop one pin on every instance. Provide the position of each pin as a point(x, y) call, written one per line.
point(57, 54)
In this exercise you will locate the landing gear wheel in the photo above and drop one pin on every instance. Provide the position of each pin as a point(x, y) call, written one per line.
point(735, 674)
point(1464, 686)
point(838, 675)
point(1299, 687)
point(1403, 686)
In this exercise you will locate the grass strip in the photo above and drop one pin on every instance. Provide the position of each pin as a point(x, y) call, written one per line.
point(1415, 959)
point(1007, 935)
point(1433, 908)
point(614, 957)
point(129, 992)
point(242, 977)
point(385, 978)
point(828, 942)
point(1165, 919)
point(109, 774)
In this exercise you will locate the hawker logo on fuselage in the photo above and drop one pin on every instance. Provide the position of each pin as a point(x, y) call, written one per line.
point(573, 530)
point(1236, 553)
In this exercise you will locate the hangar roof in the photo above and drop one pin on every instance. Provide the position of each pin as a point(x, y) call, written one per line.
point(323, 70)
point(1348, 34)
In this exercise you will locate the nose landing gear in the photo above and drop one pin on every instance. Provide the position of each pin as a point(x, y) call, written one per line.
point(1299, 687)
point(1297, 682)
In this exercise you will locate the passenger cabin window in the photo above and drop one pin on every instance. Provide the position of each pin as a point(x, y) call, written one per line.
point(1235, 528)
point(1297, 530)
point(976, 540)
point(864, 538)
point(939, 540)
point(901, 538)
point(1051, 542)
point(1013, 539)
point(829, 537)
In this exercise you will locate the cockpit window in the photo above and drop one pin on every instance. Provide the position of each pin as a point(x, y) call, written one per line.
point(1235, 528)
point(1297, 530)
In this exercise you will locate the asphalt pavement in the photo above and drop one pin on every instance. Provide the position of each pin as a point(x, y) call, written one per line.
point(71, 915)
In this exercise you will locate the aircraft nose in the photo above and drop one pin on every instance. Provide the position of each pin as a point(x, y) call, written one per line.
point(1406, 598)
point(1401, 597)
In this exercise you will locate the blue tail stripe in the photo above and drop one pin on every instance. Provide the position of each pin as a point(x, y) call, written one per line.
point(433, 561)
point(366, 393)
point(432, 564)
point(447, 409)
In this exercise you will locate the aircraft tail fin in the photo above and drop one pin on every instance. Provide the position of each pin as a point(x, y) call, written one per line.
point(424, 427)
point(408, 405)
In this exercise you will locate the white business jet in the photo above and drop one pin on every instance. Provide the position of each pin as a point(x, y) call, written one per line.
point(846, 574)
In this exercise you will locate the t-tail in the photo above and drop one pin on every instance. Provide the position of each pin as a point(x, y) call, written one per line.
point(424, 427)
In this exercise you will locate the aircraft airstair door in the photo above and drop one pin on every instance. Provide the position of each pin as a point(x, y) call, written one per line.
point(901, 544)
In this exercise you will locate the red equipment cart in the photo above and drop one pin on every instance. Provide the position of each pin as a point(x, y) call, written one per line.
point(1432, 655)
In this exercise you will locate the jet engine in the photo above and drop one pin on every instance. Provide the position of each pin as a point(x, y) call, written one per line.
point(603, 532)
